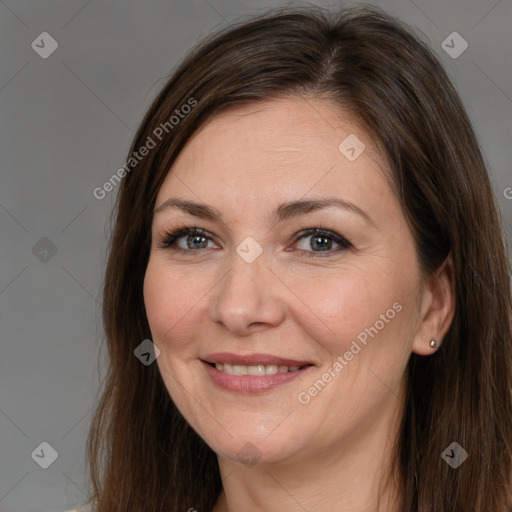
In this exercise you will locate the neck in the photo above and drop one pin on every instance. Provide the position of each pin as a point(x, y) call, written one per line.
point(359, 475)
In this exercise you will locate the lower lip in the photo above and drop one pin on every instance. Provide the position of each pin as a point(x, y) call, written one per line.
point(250, 384)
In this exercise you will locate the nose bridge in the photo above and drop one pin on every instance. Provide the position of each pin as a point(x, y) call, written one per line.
point(247, 279)
point(248, 294)
point(248, 262)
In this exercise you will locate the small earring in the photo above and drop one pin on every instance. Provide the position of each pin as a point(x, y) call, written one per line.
point(433, 343)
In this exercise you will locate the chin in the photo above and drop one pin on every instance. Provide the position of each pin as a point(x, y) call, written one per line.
point(267, 446)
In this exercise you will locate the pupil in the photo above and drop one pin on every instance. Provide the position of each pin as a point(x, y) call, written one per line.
point(196, 238)
point(322, 245)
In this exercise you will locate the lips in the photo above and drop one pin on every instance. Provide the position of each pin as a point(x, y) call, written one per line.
point(254, 373)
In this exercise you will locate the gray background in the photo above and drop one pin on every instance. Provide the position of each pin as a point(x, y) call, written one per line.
point(66, 125)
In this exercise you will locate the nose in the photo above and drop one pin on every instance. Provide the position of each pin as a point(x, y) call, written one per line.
point(249, 298)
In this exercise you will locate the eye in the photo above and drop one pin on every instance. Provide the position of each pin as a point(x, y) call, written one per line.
point(192, 239)
point(185, 239)
point(321, 241)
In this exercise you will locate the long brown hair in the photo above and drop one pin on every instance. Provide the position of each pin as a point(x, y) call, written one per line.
point(142, 453)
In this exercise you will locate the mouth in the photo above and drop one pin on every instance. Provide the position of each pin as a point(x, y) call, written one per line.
point(255, 370)
point(255, 373)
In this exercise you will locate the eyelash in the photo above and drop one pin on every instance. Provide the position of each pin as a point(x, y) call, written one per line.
point(168, 239)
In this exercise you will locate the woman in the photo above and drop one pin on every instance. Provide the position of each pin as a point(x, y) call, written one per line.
point(311, 241)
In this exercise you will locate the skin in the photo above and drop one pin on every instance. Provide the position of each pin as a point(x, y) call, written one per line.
point(335, 452)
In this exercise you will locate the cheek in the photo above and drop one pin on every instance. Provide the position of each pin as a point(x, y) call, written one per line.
point(170, 300)
point(345, 307)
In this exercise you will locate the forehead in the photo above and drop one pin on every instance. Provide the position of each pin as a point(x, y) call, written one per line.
point(291, 123)
point(295, 143)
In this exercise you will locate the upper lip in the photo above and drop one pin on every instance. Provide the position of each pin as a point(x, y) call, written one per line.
point(253, 359)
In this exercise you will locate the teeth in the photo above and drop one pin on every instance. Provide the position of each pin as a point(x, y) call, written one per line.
point(271, 369)
point(239, 370)
point(256, 370)
point(260, 369)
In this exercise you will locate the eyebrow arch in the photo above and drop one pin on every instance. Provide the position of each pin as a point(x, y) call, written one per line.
point(283, 212)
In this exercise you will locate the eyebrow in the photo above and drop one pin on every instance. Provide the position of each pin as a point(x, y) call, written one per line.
point(283, 212)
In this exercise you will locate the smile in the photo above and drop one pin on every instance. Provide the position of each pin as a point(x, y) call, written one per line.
point(254, 373)
point(260, 369)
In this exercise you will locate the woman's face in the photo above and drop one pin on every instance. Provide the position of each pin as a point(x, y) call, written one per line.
point(257, 294)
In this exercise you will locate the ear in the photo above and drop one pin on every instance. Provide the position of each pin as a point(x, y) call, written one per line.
point(437, 308)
